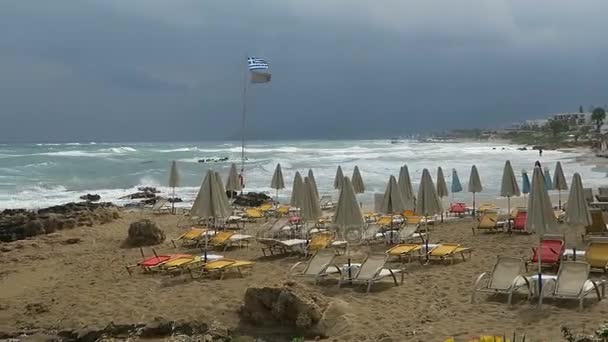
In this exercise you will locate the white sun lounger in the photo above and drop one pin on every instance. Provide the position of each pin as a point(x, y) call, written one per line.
point(372, 270)
point(506, 277)
point(573, 282)
point(282, 246)
point(319, 266)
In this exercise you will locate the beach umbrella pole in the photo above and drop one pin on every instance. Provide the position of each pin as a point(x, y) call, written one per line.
point(173, 202)
point(509, 213)
point(540, 275)
point(474, 205)
point(559, 196)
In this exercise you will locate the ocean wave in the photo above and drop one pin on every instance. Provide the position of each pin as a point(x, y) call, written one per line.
point(121, 149)
point(182, 149)
point(41, 164)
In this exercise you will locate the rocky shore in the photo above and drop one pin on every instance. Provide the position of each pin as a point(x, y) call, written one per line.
point(19, 224)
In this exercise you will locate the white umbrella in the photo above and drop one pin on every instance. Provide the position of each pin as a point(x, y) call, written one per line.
point(442, 187)
point(311, 177)
point(392, 202)
point(357, 181)
point(509, 186)
point(297, 192)
point(233, 183)
point(339, 178)
point(427, 202)
point(577, 211)
point(310, 210)
point(348, 213)
point(277, 182)
point(559, 182)
point(407, 193)
point(541, 218)
point(174, 180)
point(474, 185)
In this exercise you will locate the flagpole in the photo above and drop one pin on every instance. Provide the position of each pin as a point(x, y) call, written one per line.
point(243, 128)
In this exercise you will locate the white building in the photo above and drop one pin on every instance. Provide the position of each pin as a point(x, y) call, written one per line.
point(538, 123)
point(573, 119)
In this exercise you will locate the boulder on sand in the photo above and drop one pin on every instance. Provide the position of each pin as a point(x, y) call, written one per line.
point(295, 307)
point(144, 233)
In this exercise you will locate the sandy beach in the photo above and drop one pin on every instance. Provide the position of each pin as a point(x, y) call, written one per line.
point(51, 285)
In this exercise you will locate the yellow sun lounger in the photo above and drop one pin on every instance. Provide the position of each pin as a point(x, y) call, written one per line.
point(319, 241)
point(191, 236)
point(488, 221)
point(221, 239)
point(597, 254)
point(221, 266)
point(283, 210)
point(264, 207)
point(253, 213)
point(447, 251)
point(404, 249)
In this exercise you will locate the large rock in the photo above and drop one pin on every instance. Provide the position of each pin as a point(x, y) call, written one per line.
point(144, 233)
point(251, 199)
point(293, 306)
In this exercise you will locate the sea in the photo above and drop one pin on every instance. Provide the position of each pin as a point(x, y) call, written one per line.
point(40, 175)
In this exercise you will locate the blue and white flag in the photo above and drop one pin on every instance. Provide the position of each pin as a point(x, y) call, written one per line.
point(256, 63)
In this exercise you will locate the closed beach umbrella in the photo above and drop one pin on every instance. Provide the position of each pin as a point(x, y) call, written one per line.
point(559, 181)
point(392, 202)
point(474, 184)
point(407, 193)
point(456, 185)
point(348, 213)
point(442, 187)
point(233, 183)
point(577, 211)
point(310, 210)
point(311, 178)
point(509, 187)
point(525, 182)
point(548, 181)
point(297, 191)
point(277, 182)
point(174, 180)
point(339, 178)
point(427, 202)
point(541, 218)
point(211, 200)
point(357, 181)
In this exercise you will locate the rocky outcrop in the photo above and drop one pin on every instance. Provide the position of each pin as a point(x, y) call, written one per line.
point(296, 307)
point(251, 199)
point(18, 224)
point(91, 197)
point(144, 233)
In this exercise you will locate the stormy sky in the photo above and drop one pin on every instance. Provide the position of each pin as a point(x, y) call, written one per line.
point(155, 70)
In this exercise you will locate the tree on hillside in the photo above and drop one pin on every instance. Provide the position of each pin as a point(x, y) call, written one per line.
point(580, 109)
point(557, 126)
point(598, 116)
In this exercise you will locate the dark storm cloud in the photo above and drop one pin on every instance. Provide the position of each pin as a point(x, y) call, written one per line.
point(173, 70)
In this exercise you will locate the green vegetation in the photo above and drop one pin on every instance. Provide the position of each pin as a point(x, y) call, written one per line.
point(557, 127)
point(598, 116)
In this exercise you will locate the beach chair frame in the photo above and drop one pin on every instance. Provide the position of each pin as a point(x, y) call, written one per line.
point(377, 276)
point(323, 259)
point(519, 281)
point(588, 286)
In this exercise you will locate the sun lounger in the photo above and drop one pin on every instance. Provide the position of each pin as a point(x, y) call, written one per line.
point(489, 222)
point(458, 209)
point(519, 223)
point(506, 277)
point(182, 263)
point(219, 240)
point(323, 240)
point(551, 250)
point(326, 203)
point(162, 205)
point(447, 251)
point(253, 214)
point(273, 246)
point(319, 266)
point(372, 270)
point(405, 249)
point(573, 283)
point(598, 224)
point(149, 264)
point(372, 234)
point(596, 254)
point(191, 236)
point(221, 267)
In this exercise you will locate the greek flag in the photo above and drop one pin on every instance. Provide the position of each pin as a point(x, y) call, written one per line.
point(256, 63)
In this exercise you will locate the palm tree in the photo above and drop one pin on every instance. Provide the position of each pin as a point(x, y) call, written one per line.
point(598, 116)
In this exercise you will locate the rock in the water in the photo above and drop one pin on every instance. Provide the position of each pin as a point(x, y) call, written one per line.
point(251, 199)
point(91, 197)
point(159, 328)
point(293, 306)
point(144, 233)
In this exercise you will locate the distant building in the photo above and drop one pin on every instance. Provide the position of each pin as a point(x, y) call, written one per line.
point(538, 123)
point(573, 119)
